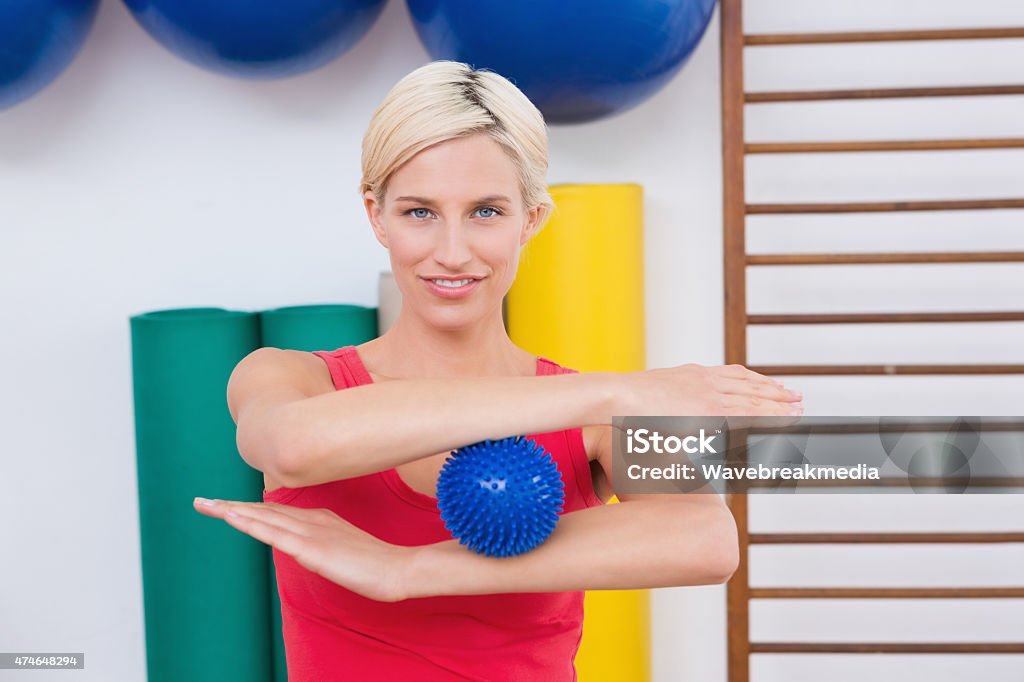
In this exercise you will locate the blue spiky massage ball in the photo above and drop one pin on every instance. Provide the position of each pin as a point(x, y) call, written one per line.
point(500, 497)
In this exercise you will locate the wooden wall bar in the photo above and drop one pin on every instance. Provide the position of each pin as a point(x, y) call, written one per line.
point(737, 319)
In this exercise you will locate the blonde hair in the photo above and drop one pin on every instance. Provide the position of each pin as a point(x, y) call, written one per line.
point(444, 100)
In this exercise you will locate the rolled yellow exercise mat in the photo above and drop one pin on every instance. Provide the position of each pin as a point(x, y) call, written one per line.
point(578, 299)
point(579, 290)
point(309, 328)
point(205, 584)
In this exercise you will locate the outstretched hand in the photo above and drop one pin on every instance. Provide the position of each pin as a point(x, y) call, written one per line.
point(699, 390)
point(321, 542)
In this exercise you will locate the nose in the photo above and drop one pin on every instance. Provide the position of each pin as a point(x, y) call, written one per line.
point(452, 248)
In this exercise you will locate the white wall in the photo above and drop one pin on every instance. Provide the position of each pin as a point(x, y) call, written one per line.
point(138, 182)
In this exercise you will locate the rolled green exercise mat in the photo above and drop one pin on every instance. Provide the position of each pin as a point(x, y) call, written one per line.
point(205, 584)
point(317, 327)
point(309, 328)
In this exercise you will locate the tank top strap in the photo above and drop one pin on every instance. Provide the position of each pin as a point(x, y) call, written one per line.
point(574, 440)
point(345, 367)
point(548, 367)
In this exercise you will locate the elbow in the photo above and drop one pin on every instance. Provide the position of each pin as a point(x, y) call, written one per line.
point(726, 569)
point(718, 552)
point(299, 458)
point(725, 548)
point(287, 454)
point(285, 471)
point(288, 468)
point(268, 444)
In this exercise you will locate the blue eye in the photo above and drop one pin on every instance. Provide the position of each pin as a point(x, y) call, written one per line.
point(424, 213)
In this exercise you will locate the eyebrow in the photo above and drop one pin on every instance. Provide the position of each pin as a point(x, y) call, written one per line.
point(491, 198)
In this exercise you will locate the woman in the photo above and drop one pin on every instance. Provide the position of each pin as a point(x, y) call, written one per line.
point(372, 586)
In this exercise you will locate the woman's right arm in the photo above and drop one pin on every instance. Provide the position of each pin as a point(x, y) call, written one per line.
point(293, 425)
point(292, 428)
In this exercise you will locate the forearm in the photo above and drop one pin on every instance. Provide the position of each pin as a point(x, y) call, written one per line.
point(681, 540)
point(375, 427)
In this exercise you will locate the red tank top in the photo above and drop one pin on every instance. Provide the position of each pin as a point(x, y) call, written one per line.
point(331, 633)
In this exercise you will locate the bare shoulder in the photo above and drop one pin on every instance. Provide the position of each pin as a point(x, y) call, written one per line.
point(268, 377)
point(276, 373)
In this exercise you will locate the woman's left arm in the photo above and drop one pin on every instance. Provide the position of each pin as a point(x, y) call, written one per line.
point(645, 541)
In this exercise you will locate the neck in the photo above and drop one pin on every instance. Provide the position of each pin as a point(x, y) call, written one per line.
point(414, 348)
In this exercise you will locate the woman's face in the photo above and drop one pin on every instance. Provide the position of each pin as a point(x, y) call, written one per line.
point(454, 222)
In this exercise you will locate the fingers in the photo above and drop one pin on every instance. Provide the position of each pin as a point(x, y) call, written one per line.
point(293, 519)
point(738, 404)
point(747, 384)
point(765, 390)
point(259, 520)
point(740, 372)
point(267, 532)
point(737, 371)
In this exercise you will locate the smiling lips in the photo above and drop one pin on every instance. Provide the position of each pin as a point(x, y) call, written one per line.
point(451, 287)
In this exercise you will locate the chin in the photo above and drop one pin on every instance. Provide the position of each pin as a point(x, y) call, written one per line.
point(450, 322)
point(452, 317)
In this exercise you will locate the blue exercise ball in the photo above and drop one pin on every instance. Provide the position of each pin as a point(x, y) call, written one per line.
point(38, 39)
point(577, 60)
point(500, 497)
point(259, 39)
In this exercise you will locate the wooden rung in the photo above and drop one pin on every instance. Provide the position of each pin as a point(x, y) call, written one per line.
point(875, 258)
point(885, 206)
point(882, 146)
point(881, 93)
point(882, 36)
point(887, 593)
point(861, 318)
point(807, 370)
point(890, 425)
point(886, 648)
point(881, 538)
point(1013, 484)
